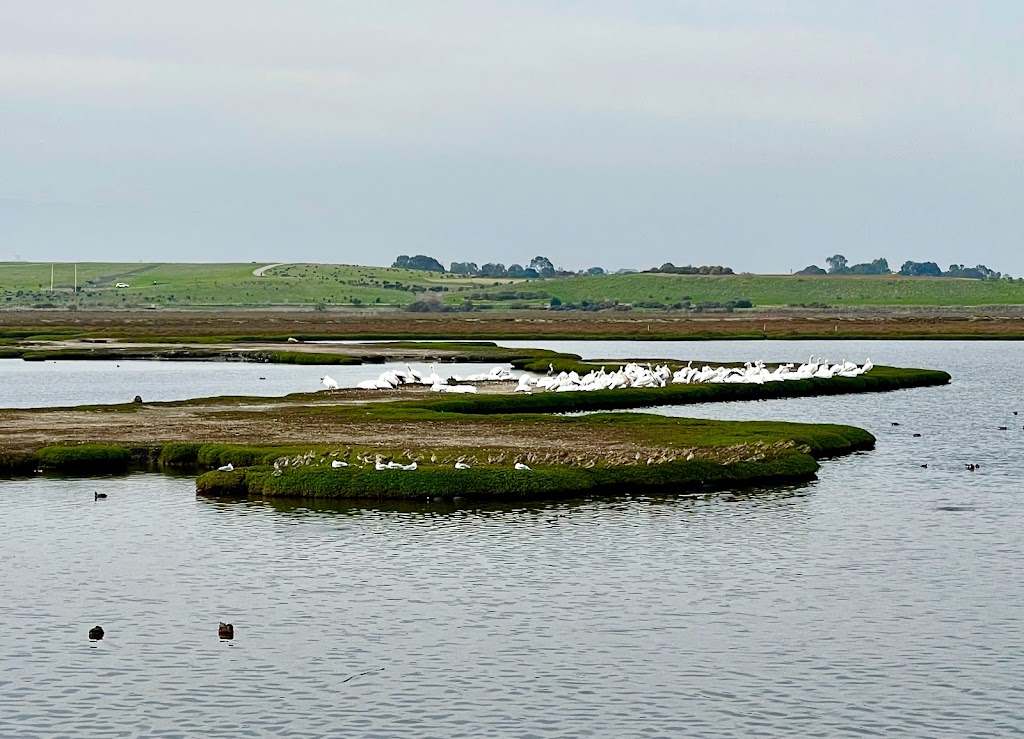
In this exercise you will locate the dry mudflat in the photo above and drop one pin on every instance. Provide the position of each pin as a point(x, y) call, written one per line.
point(384, 324)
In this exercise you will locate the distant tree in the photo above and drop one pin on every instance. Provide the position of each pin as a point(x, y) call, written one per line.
point(493, 270)
point(920, 269)
point(531, 273)
point(812, 270)
point(420, 261)
point(595, 271)
point(427, 304)
point(543, 266)
point(555, 302)
point(464, 268)
point(980, 272)
point(670, 269)
point(837, 265)
point(517, 271)
point(877, 267)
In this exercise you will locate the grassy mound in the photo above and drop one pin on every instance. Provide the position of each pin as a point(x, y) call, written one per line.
point(498, 484)
point(91, 458)
point(695, 452)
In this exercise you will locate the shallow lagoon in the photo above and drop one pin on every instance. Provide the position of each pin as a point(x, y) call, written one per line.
point(883, 598)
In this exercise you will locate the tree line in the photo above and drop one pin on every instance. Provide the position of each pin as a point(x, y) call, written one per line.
point(838, 265)
point(538, 267)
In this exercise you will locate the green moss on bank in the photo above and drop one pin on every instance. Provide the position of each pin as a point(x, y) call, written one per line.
point(90, 458)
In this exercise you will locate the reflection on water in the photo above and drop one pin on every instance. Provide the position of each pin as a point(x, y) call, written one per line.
point(881, 599)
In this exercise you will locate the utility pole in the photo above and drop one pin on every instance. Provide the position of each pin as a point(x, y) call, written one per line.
point(76, 279)
point(51, 277)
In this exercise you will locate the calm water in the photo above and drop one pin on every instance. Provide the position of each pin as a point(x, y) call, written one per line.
point(883, 599)
point(63, 383)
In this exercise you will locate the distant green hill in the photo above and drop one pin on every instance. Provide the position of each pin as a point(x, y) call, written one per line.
point(257, 284)
point(780, 290)
point(200, 285)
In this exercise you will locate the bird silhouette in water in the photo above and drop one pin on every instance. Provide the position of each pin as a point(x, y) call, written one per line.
point(924, 466)
point(226, 631)
point(96, 633)
point(895, 423)
point(97, 496)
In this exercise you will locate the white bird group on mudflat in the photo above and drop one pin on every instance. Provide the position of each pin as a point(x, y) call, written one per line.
point(632, 375)
point(639, 376)
point(396, 378)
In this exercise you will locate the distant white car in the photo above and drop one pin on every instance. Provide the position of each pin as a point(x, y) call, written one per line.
point(122, 284)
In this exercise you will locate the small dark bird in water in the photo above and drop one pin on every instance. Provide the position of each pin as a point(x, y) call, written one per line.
point(894, 423)
point(1015, 413)
point(924, 466)
point(226, 631)
point(96, 633)
point(97, 496)
point(971, 467)
point(916, 435)
point(1004, 428)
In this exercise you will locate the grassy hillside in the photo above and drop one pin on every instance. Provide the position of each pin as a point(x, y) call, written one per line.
point(201, 285)
point(776, 290)
point(197, 285)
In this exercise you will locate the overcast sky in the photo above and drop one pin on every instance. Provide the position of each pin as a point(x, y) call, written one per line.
point(761, 134)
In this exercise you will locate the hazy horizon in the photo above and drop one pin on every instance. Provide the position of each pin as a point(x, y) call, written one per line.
point(761, 136)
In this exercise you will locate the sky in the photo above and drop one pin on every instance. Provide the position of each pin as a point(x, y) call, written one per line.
point(764, 135)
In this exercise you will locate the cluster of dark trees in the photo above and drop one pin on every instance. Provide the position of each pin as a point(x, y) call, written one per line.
point(538, 267)
point(420, 261)
point(670, 269)
point(837, 265)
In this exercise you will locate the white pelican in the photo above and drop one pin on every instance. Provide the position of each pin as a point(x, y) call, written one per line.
point(226, 468)
point(521, 466)
point(338, 463)
point(329, 382)
point(461, 466)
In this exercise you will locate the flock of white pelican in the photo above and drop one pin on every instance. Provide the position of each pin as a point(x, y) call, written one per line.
point(394, 378)
point(639, 376)
point(631, 375)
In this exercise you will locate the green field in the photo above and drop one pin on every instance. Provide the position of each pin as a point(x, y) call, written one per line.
point(781, 290)
point(307, 285)
point(199, 285)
